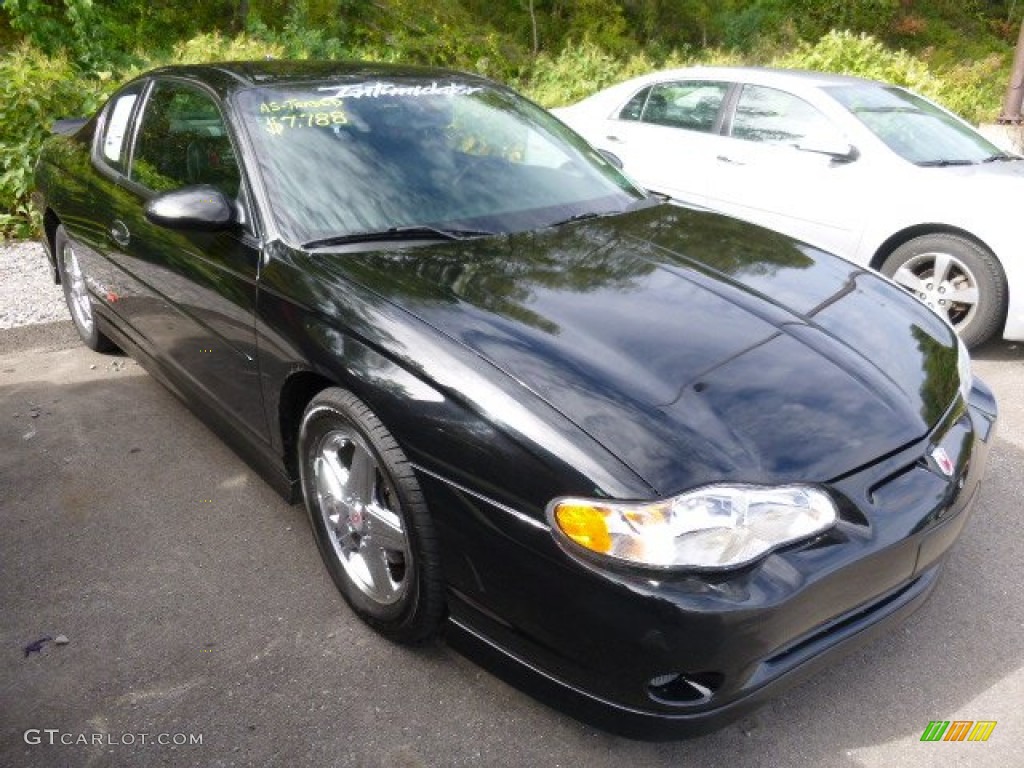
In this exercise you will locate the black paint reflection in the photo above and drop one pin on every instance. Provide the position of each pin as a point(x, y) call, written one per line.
point(665, 335)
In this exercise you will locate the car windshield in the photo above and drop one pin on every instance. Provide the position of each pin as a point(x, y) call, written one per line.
point(913, 127)
point(412, 155)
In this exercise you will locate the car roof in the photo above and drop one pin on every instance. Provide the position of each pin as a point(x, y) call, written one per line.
point(230, 76)
point(760, 76)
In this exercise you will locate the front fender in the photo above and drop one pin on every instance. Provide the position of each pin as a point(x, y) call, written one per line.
point(454, 414)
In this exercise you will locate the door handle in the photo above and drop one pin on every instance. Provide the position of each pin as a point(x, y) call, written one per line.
point(725, 159)
point(616, 139)
point(119, 232)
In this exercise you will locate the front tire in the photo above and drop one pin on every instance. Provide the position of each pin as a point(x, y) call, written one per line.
point(76, 294)
point(369, 518)
point(958, 278)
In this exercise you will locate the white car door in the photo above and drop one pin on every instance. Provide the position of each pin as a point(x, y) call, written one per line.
point(665, 137)
point(781, 165)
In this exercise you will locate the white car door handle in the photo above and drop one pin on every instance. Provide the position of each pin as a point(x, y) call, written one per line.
point(616, 139)
point(725, 159)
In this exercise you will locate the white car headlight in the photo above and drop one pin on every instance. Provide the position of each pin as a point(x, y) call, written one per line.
point(720, 526)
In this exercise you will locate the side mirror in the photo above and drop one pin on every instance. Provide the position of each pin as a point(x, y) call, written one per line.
point(198, 207)
point(839, 151)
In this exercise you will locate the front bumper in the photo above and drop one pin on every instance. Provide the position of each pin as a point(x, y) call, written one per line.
point(846, 636)
point(679, 655)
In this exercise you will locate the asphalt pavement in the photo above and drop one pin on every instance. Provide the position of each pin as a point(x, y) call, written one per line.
point(195, 609)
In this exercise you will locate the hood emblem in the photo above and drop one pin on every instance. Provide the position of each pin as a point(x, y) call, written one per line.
point(943, 461)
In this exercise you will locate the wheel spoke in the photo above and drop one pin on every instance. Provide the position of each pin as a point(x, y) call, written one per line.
point(905, 277)
point(381, 585)
point(943, 261)
point(78, 293)
point(384, 528)
point(329, 481)
point(966, 295)
point(362, 476)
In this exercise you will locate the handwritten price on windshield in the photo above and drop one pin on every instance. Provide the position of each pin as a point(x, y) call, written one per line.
point(278, 125)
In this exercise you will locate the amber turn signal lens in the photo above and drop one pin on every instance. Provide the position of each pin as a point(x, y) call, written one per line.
point(587, 526)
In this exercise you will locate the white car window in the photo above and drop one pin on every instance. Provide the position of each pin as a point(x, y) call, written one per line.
point(635, 106)
point(776, 117)
point(691, 105)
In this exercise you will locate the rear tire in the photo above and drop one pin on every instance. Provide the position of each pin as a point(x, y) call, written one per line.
point(76, 294)
point(369, 518)
point(958, 278)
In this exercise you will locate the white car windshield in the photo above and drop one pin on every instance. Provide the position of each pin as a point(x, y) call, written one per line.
point(347, 158)
point(913, 127)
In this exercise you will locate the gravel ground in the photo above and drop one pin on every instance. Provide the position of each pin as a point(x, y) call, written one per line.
point(27, 293)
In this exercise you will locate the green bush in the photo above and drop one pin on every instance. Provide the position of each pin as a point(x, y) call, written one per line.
point(861, 55)
point(579, 70)
point(576, 72)
point(215, 47)
point(974, 90)
point(35, 89)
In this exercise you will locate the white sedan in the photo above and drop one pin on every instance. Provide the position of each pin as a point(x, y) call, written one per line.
point(870, 171)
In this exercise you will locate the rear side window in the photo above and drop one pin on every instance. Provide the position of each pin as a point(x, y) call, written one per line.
point(183, 140)
point(690, 105)
point(113, 144)
point(635, 106)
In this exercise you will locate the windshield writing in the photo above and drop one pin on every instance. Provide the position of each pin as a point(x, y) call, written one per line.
point(346, 158)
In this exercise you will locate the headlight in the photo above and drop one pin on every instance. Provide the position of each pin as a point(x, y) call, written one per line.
point(721, 526)
point(963, 368)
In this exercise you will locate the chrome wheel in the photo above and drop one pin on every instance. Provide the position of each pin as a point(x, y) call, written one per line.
point(369, 517)
point(944, 283)
point(77, 292)
point(361, 515)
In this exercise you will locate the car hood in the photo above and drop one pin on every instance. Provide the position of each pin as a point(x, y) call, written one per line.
point(694, 347)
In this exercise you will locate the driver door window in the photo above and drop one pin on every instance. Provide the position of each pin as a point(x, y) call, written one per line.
point(770, 172)
point(775, 117)
point(182, 141)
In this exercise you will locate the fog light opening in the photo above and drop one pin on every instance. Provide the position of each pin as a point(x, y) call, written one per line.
point(677, 689)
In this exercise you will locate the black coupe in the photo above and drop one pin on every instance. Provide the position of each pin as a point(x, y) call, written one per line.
point(650, 463)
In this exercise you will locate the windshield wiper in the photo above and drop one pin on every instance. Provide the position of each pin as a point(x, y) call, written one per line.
point(885, 110)
point(577, 217)
point(943, 163)
point(1000, 156)
point(400, 233)
point(644, 202)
